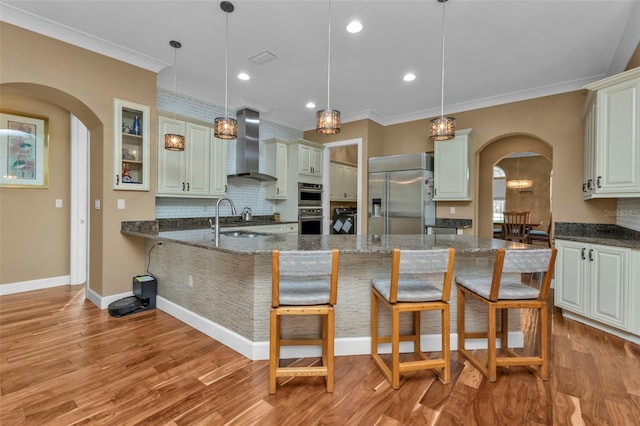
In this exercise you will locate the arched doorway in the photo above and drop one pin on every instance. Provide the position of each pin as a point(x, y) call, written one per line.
point(68, 112)
point(489, 156)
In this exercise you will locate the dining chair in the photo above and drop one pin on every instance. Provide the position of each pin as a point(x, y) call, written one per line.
point(515, 226)
point(419, 281)
point(516, 273)
point(536, 235)
point(303, 283)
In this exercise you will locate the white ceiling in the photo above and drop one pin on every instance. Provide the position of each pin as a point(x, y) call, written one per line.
point(497, 51)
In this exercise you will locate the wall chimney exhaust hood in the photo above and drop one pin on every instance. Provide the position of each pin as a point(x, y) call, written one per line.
point(248, 147)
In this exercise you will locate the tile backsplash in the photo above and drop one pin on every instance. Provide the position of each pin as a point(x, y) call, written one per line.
point(243, 193)
point(628, 213)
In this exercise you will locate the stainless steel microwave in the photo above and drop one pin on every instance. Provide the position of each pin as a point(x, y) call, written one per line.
point(309, 194)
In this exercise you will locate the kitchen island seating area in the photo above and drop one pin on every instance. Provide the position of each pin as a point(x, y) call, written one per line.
point(418, 281)
point(500, 292)
point(303, 283)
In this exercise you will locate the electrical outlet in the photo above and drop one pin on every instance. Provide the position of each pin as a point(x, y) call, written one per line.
point(190, 280)
point(453, 210)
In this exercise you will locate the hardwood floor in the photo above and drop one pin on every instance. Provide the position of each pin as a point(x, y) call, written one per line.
point(63, 362)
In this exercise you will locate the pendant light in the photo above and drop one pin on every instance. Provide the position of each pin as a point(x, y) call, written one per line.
point(328, 120)
point(225, 127)
point(442, 128)
point(522, 185)
point(174, 141)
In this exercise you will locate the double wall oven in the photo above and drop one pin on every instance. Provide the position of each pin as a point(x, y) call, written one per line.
point(310, 208)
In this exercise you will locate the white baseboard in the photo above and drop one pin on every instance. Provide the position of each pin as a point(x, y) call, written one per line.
point(103, 302)
point(23, 286)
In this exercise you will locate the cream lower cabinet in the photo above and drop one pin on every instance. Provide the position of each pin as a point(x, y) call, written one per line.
point(595, 282)
point(199, 171)
point(277, 165)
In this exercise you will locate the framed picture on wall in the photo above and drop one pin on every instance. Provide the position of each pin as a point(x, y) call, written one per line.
point(24, 151)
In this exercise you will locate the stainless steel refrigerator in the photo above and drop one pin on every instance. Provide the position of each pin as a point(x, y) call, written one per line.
point(401, 194)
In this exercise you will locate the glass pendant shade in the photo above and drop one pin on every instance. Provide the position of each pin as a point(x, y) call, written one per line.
point(328, 122)
point(173, 142)
point(442, 128)
point(225, 128)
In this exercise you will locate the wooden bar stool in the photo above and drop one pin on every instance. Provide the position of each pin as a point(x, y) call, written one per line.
point(499, 293)
point(413, 293)
point(303, 283)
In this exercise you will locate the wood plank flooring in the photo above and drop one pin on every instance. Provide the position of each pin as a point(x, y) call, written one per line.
point(65, 362)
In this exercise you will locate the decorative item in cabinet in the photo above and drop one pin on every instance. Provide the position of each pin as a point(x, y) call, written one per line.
point(132, 149)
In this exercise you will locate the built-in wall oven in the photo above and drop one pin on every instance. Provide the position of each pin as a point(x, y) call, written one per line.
point(310, 220)
point(309, 194)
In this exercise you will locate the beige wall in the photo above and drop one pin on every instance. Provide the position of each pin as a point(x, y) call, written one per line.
point(537, 198)
point(56, 79)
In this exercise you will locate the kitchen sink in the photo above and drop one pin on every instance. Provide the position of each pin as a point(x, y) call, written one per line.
point(243, 234)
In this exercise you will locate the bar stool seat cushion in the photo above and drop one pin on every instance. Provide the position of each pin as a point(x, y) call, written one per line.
point(304, 291)
point(409, 290)
point(509, 289)
point(538, 233)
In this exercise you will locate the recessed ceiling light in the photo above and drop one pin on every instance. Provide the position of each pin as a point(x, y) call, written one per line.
point(354, 27)
point(310, 105)
point(243, 76)
point(409, 76)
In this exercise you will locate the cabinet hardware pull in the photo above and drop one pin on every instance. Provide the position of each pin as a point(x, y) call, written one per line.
point(117, 179)
point(225, 188)
point(598, 181)
point(584, 187)
point(582, 253)
point(183, 186)
point(589, 183)
point(278, 191)
point(188, 187)
point(591, 255)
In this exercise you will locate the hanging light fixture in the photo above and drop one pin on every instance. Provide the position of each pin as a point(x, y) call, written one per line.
point(328, 120)
point(523, 185)
point(225, 127)
point(174, 141)
point(442, 128)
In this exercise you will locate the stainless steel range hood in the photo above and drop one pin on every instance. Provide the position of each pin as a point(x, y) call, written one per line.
point(248, 147)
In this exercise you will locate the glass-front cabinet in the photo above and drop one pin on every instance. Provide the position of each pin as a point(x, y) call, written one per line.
point(132, 149)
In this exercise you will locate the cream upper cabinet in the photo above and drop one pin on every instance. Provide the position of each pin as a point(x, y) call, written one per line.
point(277, 163)
point(132, 146)
point(200, 170)
point(451, 168)
point(218, 166)
point(597, 282)
point(343, 180)
point(309, 158)
point(612, 136)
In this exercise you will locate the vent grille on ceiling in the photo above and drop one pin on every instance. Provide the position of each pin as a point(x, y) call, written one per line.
point(263, 57)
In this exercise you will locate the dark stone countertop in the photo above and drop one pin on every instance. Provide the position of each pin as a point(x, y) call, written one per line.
point(595, 233)
point(452, 223)
point(264, 244)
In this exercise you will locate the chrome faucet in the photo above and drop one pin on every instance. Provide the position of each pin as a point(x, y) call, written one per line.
point(233, 212)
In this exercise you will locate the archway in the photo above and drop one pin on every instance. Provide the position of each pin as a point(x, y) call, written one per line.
point(490, 154)
point(34, 94)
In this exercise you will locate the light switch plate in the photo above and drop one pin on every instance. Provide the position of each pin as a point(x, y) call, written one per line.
point(96, 204)
point(453, 210)
point(58, 203)
point(120, 204)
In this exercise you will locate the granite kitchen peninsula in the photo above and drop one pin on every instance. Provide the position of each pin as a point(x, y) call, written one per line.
point(225, 291)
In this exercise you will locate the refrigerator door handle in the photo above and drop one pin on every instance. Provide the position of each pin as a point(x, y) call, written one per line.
point(387, 188)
